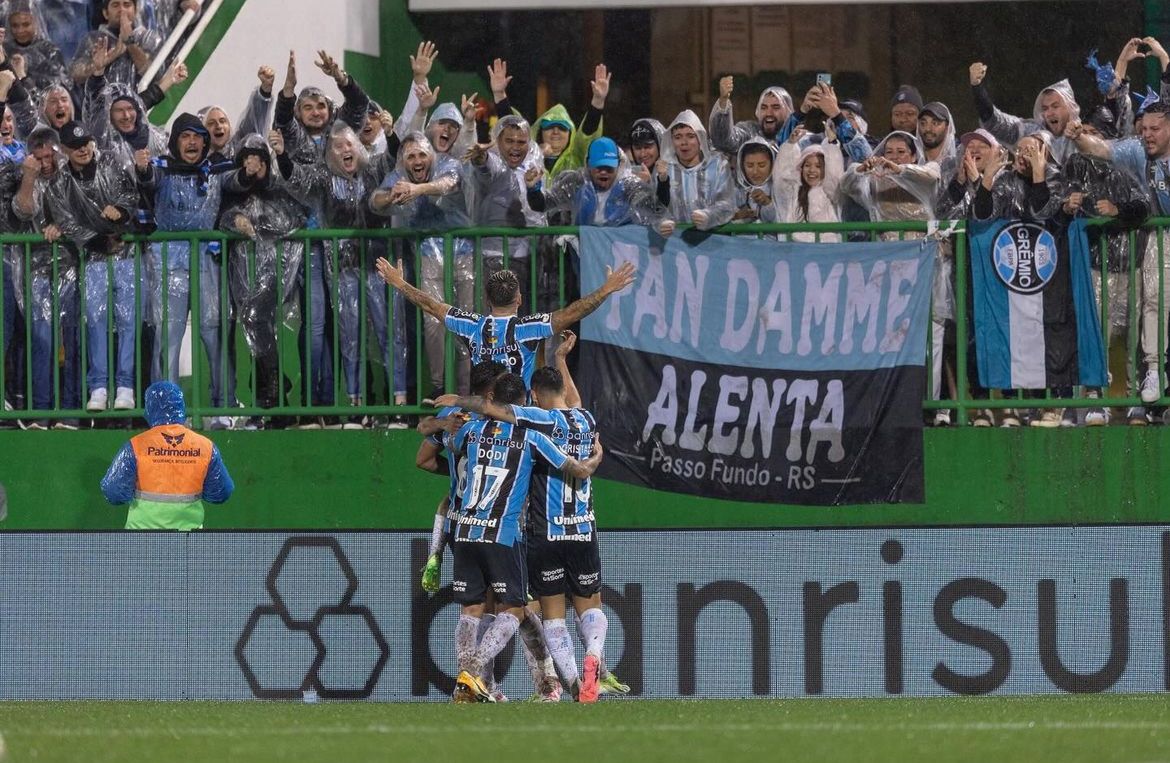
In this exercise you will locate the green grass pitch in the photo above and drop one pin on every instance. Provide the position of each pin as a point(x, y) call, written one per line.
point(1068, 729)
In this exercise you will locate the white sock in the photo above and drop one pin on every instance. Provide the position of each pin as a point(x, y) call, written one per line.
point(592, 626)
point(438, 537)
point(488, 672)
point(561, 648)
point(536, 651)
point(465, 641)
point(495, 639)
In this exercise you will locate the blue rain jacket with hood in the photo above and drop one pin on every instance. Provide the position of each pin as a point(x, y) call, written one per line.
point(166, 409)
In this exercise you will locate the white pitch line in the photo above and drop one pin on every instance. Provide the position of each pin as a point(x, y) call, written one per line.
point(388, 729)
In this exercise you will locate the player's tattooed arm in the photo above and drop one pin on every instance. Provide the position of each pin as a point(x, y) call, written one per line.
point(584, 469)
point(425, 302)
point(560, 360)
point(615, 280)
point(478, 404)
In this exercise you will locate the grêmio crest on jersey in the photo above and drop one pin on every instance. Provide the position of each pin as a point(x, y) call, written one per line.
point(1024, 256)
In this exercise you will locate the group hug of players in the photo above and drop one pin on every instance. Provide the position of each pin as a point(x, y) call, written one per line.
point(519, 515)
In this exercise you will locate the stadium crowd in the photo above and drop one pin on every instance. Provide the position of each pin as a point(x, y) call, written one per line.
point(81, 167)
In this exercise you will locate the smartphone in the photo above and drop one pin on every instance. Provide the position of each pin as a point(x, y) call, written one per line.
point(824, 78)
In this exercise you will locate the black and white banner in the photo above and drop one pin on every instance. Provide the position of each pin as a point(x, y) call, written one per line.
point(760, 370)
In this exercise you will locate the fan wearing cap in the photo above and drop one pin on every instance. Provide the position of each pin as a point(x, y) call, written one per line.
point(599, 194)
point(91, 201)
point(645, 141)
point(305, 118)
point(904, 109)
point(185, 189)
point(936, 133)
point(121, 47)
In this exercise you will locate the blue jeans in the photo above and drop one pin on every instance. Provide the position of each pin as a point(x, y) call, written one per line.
point(349, 329)
point(169, 340)
point(9, 308)
point(45, 320)
point(125, 322)
point(317, 368)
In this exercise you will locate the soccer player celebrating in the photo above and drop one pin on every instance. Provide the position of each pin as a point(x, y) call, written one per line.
point(488, 542)
point(563, 552)
point(504, 336)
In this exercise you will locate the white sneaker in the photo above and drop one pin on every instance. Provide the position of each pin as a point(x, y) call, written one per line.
point(1010, 418)
point(1096, 417)
point(97, 400)
point(1151, 390)
point(1049, 419)
point(942, 418)
point(218, 423)
point(124, 399)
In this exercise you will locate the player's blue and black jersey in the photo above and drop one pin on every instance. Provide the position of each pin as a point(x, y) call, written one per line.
point(509, 340)
point(456, 466)
point(562, 506)
point(499, 468)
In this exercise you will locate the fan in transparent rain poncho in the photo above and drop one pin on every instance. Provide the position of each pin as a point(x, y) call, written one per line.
point(896, 185)
point(602, 193)
point(775, 118)
point(29, 49)
point(425, 192)
point(262, 272)
point(91, 200)
point(53, 285)
point(1054, 109)
point(497, 196)
point(128, 46)
point(702, 190)
point(168, 471)
point(338, 190)
point(225, 140)
point(116, 118)
point(185, 190)
point(304, 120)
point(1147, 159)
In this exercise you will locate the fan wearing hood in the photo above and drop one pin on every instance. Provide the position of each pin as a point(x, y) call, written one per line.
point(338, 189)
point(806, 182)
point(450, 131)
point(774, 118)
point(305, 119)
point(756, 196)
point(121, 47)
point(185, 189)
point(647, 138)
point(425, 192)
point(43, 64)
point(1054, 110)
point(936, 135)
point(702, 191)
point(599, 194)
point(54, 108)
point(1031, 190)
point(50, 279)
point(263, 273)
point(225, 140)
point(497, 194)
point(168, 471)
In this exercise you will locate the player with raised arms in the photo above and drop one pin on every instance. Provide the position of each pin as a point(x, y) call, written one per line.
point(503, 335)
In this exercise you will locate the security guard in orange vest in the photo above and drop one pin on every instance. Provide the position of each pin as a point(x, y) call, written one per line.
point(167, 472)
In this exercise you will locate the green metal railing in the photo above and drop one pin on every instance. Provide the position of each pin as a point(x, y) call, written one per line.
point(548, 285)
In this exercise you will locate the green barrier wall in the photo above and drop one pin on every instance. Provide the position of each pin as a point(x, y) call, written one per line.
point(367, 480)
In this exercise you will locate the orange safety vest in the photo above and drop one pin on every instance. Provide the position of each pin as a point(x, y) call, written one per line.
point(172, 465)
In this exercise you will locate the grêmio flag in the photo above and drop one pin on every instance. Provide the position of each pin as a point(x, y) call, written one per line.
point(1036, 322)
point(760, 370)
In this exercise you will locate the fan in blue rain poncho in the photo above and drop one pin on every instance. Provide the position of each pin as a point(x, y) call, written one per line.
point(702, 189)
point(185, 189)
point(168, 471)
